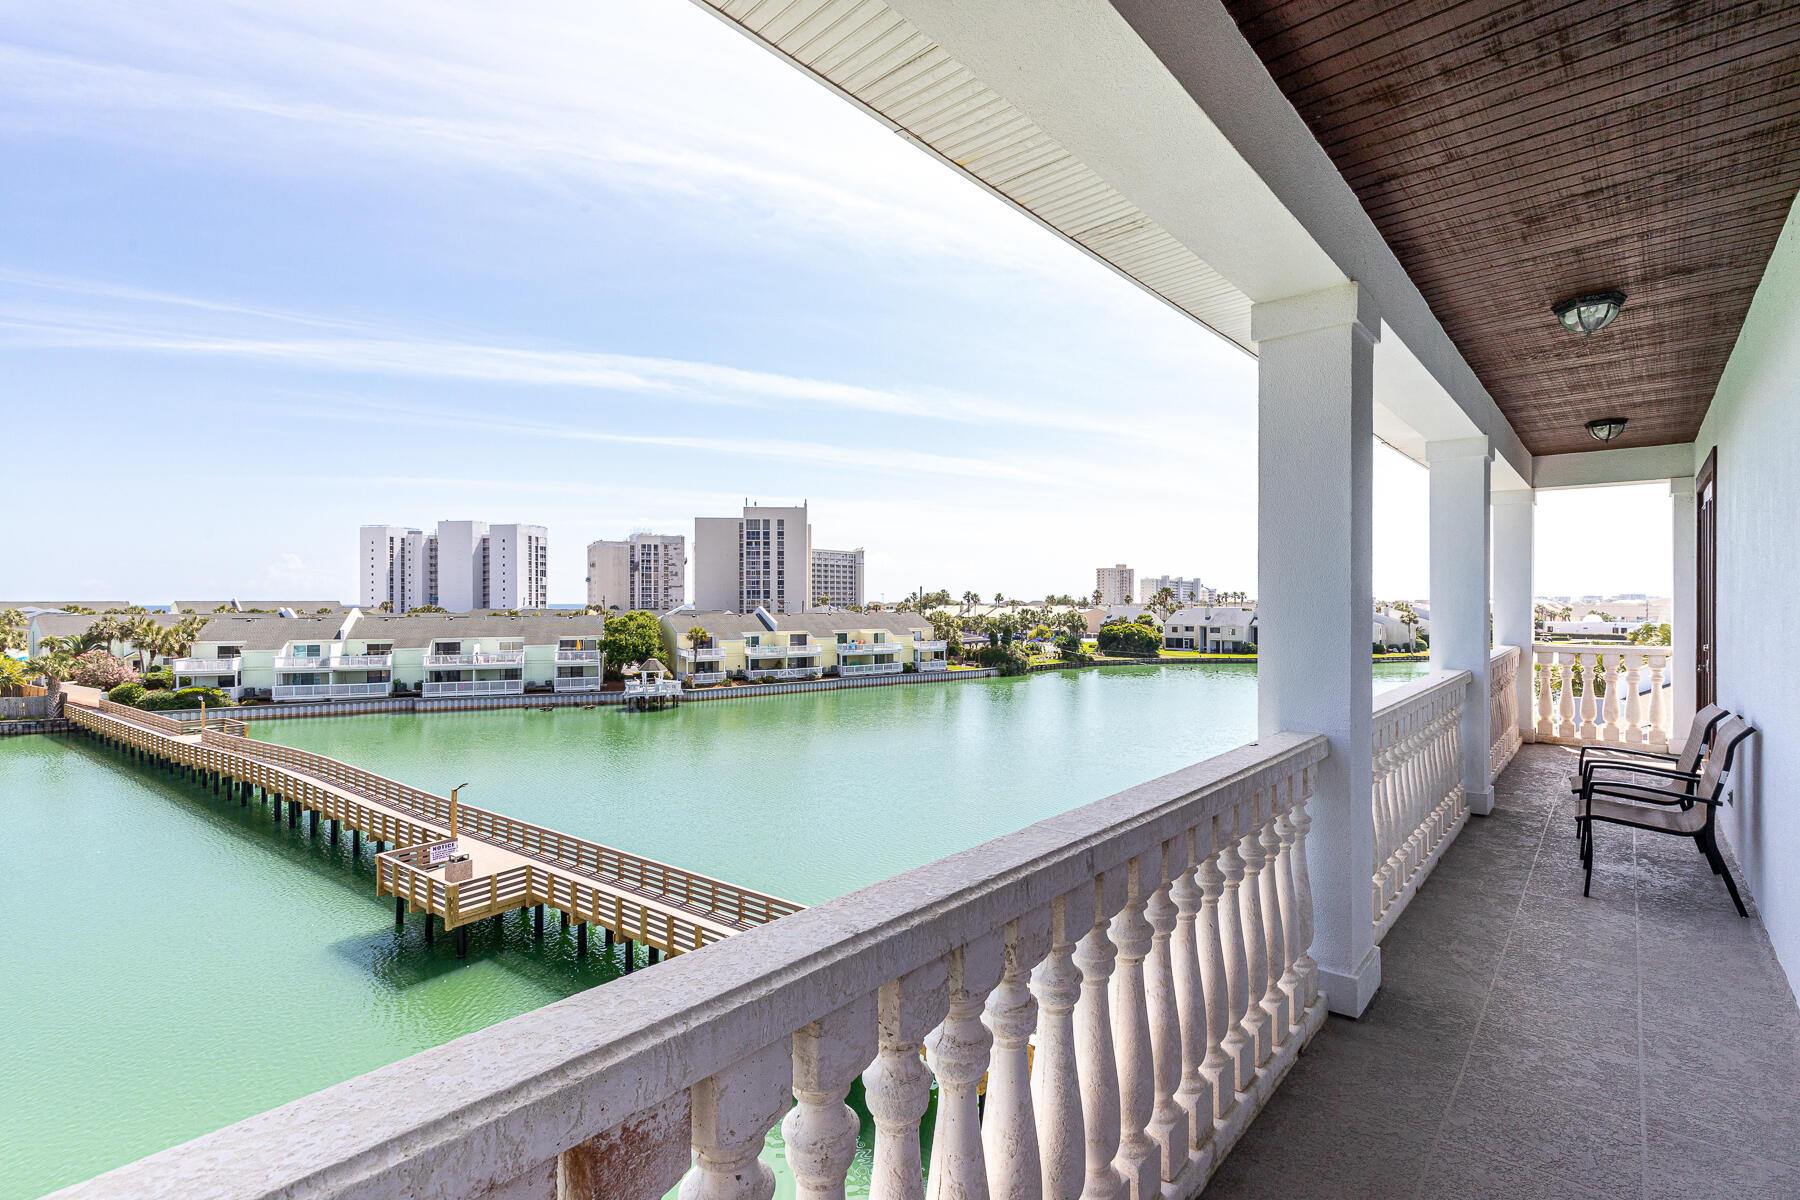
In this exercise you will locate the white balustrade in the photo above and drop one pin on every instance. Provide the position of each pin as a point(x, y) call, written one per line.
point(1128, 978)
point(1590, 692)
point(889, 668)
point(580, 656)
point(474, 687)
point(206, 666)
point(330, 691)
point(1418, 800)
point(1503, 708)
point(933, 664)
point(490, 658)
point(702, 677)
point(579, 683)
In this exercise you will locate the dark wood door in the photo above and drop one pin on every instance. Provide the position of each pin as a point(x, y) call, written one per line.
point(1706, 564)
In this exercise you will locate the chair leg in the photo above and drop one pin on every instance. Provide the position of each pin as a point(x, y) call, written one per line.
point(1587, 862)
point(1718, 864)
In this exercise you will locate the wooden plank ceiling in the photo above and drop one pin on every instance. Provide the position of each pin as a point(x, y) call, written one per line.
point(1515, 154)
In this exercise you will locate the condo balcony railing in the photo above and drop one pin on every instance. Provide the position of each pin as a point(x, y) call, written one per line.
point(1609, 693)
point(702, 677)
point(474, 687)
point(206, 666)
point(580, 656)
point(883, 668)
point(867, 647)
point(330, 691)
point(933, 664)
point(579, 683)
point(704, 654)
point(489, 658)
point(786, 673)
point(362, 662)
point(805, 651)
point(928, 646)
point(302, 662)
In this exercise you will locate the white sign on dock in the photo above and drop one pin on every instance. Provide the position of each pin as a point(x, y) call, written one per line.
point(438, 855)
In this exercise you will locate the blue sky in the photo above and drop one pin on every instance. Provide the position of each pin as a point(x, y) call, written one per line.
point(269, 275)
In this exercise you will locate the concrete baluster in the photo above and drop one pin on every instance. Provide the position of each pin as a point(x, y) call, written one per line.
point(821, 1130)
point(1131, 936)
point(1659, 709)
point(1009, 1135)
point(958, 1054)
point(1238, 1042)
point(1094, 954)
point(1541, 660)
point(1611, 677)
point(1195, 1091)
point(733, 1112)
point(1590, 703)
point(1055, 1081)
point(1220, 1064)
point(1256, 947)
point(1565, 699)
point(897, 1086)
point(1304, 964)
point(1292, 983)
point(1274, 1000)
point(1634, 707)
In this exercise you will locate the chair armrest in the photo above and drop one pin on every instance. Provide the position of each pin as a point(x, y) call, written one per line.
point(1603, 753)
point(1635, 792)
point(1639, 769)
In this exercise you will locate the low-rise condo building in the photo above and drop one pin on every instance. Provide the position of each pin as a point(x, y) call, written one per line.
point(359, 656)
point(709, 647)
point(1210, 630)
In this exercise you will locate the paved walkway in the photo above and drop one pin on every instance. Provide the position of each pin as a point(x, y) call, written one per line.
point(1528, 1044)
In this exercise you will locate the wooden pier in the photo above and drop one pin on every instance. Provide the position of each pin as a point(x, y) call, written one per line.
point(515, 864)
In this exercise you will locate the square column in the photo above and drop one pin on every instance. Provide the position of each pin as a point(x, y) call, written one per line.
point(1315, 460)
point(1460, 637)
point(1681, 621)
point(1514, 515)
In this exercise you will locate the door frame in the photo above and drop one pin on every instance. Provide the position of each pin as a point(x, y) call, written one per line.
point(1706, 580)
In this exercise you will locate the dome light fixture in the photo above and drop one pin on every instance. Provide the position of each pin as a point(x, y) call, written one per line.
point(1605, 429)
point(1589, 314)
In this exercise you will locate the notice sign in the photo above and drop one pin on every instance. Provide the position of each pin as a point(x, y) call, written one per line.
point(438, 855)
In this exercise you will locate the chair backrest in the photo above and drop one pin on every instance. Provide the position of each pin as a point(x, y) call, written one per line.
point(1731, 733)
point(1700, 736)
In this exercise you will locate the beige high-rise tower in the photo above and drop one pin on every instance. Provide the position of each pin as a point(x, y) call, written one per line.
point(760, 559)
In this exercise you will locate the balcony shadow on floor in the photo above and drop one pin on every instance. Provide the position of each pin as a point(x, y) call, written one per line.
point(1530, 1044)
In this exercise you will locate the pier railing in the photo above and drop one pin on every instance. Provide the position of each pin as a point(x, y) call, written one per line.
point(1128, 978)
point(173, 725)
point(725, 900)
point(1418, 798)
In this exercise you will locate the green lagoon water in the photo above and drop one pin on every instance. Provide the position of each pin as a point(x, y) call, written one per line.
point(173, 962)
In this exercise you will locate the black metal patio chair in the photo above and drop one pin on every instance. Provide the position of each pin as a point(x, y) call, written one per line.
point(1687, 759)
point(1664, 800)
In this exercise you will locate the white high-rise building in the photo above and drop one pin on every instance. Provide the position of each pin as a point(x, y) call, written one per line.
point(837, 577)
point(646, 570)
point(462, 567)
point(763, 558)
point(1115, 584)
point(1187, 591)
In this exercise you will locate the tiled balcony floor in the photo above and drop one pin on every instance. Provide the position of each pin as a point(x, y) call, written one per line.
point(1527, 1043)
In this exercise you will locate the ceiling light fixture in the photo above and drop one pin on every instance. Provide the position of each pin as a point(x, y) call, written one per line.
point(1605, 429)
point(1589, 314)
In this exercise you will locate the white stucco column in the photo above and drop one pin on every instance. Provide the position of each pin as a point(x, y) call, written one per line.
point(1681, 620)
point(1315, 444)
point(1514, 513)
point(1460, 637)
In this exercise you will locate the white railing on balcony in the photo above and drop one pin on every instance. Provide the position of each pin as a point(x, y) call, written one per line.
point(301, 662)
point(703, 677)
point(475, 687)
point(580, 656)
point(933, 664)
point(330, 691)
point(927, 647)
point(362, 662)
point(785, 672)
point(1503, 709)
point(1129, 978)
point(579, 683)
point(1418, 799)
point(1613, 694)
point(704, 654)
point(886, 668)
point(490, 658)
point(207, 666)
point(867, 647)
point(805, 651)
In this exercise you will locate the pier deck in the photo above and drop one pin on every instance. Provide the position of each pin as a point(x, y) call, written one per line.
point(515, 864)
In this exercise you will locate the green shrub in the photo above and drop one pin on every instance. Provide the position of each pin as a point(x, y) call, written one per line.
point(1010, 660)
point(192, 697)
point(159, 679)
point(126, 693)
